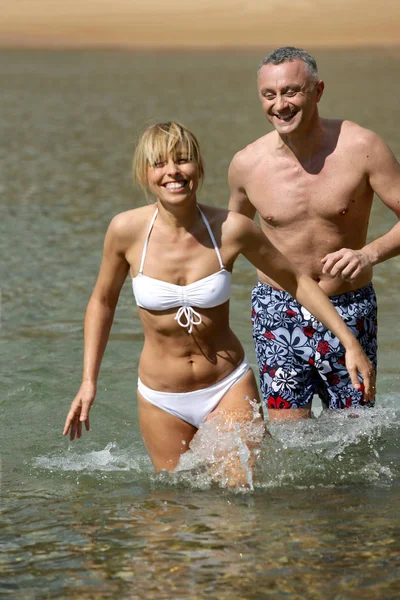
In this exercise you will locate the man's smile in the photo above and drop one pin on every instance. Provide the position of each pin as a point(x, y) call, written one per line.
point(287, 117)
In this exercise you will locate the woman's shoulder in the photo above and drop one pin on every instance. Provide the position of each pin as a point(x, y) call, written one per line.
point(230, 228)
point(227, 219)
point(214, 214)
point(126, 228)
point(131, 221)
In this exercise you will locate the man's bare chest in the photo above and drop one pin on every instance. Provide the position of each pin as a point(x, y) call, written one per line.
point(291, 194)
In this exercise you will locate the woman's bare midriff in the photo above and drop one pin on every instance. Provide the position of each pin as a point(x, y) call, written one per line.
point(175, 361)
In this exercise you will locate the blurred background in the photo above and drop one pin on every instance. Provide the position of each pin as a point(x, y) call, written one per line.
point(200, 23)
point(89, 519)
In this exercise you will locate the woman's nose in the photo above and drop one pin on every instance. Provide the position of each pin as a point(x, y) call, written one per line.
point(172, 166)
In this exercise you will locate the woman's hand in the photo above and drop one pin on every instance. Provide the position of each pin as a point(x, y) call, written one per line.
point(79, 411)
point(357, 362)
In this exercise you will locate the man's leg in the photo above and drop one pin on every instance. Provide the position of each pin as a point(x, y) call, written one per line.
point(284, 346)
point(359, 311)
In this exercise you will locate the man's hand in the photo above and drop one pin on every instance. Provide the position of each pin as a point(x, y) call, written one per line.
point(345, 263)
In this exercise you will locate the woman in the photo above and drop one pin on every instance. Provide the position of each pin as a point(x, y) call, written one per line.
point(180, 255)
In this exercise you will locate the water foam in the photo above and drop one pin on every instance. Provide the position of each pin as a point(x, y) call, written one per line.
point(223, 452)
point(337, 448)
point(341, 447)
point(110, 459)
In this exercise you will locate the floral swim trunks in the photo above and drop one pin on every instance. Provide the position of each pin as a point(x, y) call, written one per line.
point(299, 357)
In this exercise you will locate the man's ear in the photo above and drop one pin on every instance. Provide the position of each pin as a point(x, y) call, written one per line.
point(320, 89)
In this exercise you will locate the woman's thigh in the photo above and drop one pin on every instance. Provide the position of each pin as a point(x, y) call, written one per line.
point(166, 437)
point(238, 411)
point(240, 398)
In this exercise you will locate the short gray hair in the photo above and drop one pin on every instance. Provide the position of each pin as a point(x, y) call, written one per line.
point(289, 54)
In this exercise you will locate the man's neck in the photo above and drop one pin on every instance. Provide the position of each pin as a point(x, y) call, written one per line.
point(303, 145)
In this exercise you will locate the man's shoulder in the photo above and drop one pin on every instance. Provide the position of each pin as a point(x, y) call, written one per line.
point(252, 153)
point(349, 132)
point(359, 147)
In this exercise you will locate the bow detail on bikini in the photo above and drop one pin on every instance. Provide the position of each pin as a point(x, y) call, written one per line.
point(190, 315)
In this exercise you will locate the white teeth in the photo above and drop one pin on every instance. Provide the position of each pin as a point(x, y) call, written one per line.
point(285, 117)
point(174, 185)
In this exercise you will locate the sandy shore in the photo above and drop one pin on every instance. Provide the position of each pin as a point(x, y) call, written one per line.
point(199, 23)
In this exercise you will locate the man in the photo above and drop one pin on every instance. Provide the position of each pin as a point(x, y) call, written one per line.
point(312, 182)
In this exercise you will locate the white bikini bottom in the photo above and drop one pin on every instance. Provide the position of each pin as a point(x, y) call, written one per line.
point(194, 407)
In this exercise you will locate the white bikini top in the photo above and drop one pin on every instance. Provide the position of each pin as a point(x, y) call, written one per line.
point(155, 294)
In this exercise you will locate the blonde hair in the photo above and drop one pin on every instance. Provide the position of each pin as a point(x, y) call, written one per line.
point(160, 140)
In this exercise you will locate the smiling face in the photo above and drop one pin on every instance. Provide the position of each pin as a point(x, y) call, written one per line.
point(167, 161)
point(289, 96)
point(174, 176)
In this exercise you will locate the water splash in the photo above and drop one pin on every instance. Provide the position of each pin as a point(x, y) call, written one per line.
point(338, 448)
point(222, 452)
point(110, 459)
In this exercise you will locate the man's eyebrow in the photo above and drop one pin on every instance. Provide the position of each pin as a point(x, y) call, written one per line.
point(294, 87)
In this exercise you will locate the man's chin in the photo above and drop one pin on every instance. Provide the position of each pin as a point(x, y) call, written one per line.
point(285, 128)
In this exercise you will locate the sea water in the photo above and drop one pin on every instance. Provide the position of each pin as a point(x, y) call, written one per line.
point(89, 519)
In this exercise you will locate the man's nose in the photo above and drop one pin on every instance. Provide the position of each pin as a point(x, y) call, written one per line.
point(281, 102)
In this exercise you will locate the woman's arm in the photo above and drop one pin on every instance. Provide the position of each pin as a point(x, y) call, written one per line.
point(97, 325)
point(256, 247)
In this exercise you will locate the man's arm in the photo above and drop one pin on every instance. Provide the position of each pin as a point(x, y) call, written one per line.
point(383, 171)
point(239, 201)
point(384, 178)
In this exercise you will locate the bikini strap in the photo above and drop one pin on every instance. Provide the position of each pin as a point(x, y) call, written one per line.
point(206, 223)
point(147, 241)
